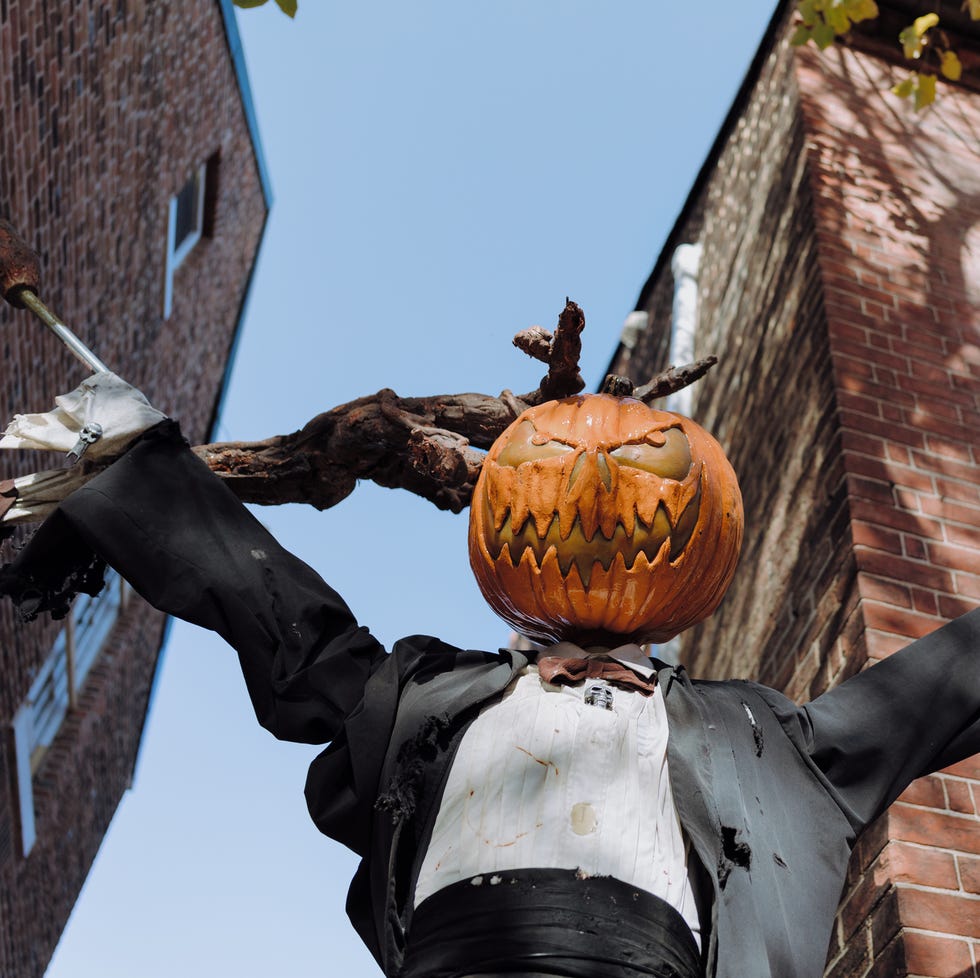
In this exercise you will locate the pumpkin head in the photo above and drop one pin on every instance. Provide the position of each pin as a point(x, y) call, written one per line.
point(599, 520)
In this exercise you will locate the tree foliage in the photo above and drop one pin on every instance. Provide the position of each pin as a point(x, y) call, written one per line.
point(923, 42)
point(288, 7)
point(822, 22)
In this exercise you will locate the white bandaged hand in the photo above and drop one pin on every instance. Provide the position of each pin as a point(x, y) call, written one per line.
point(104, 399)
point(33, 498)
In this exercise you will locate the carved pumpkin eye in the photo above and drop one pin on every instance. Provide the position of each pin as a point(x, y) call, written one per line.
point(526, 445)
point(664, 453)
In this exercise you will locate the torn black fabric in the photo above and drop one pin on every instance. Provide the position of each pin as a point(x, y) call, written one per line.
point(733, 855)
point(56, 564)
point(59, 568)
point(51, 569)
point(401, 796)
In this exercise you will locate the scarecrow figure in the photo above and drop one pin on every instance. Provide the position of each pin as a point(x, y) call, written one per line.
point(583, 811)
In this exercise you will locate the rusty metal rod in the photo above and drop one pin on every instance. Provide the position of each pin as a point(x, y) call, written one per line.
point(25, 297)
point(20, 270)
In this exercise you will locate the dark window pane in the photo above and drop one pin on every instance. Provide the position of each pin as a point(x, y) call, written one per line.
point(188, 215)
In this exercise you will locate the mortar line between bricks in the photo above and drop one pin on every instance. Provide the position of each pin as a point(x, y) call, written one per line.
point(944, 811)
point(939, 890)
point(925, 847)
point(939, 933)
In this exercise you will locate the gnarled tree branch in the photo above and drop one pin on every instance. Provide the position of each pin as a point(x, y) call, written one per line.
point(674, 379)
point(428, 445)
point(431, 446)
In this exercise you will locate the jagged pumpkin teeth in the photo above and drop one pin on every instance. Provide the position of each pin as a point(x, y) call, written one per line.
point(542, 523)
point(582, 511)
point(565, 561)
point(681, 534)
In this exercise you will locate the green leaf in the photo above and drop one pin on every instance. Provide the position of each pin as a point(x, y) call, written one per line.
point(911, 43)
point(951, 66)
point(808, 12)
point(921, 24)
point(837, 18)
point(859, 10)
point(800, 36)
point(912, 38)
point(823, 36)
point(288, 7)
point(925, 91)
point(905, 87)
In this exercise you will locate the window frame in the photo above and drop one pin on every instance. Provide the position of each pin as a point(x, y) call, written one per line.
point(54, 693)
point(178, 251)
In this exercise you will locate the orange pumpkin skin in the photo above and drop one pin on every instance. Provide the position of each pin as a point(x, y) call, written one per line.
point(599, 520)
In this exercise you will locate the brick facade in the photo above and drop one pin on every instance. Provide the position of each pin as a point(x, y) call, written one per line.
point(841, 255)
point(106, 110)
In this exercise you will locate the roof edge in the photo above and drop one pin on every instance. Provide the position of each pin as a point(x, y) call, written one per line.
point(718, 146)
point(237, 52)
point(738, 104)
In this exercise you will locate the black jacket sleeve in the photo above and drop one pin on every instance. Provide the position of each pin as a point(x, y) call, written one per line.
point(186, 544)
point(913, 713)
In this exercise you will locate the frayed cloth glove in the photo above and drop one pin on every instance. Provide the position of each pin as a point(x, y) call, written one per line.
point(33, 498)
point(104, 399)
point(104, 403)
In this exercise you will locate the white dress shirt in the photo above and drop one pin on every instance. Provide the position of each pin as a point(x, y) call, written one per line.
point(544, 779)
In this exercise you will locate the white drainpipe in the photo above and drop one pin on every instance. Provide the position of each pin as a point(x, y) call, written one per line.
point(633, 328)
point(684, 317)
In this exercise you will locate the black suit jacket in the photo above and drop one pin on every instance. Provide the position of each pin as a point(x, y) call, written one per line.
point(771, 794)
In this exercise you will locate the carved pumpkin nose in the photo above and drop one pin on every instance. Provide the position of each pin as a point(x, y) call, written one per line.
point(594, 467)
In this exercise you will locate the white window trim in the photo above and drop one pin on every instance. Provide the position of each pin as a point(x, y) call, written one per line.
point(177, 253)
point(54, 692)
point(23, 736)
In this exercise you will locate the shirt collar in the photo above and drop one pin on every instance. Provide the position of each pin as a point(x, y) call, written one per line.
point(631, 656)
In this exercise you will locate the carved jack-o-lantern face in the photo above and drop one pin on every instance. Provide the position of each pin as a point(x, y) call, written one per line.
point(600, 520)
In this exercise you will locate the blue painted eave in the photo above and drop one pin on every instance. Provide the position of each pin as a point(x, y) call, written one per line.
point(241, 71)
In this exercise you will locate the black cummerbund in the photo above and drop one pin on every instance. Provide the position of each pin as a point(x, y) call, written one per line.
point(548, 922)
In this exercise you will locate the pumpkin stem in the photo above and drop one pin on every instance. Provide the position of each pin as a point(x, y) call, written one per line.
point(617, 386)
point(560, 351)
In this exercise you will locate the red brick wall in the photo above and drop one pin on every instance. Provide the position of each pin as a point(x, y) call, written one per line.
point(841, 237)
point(105, 110)
point(770, 401)
point(897, 201)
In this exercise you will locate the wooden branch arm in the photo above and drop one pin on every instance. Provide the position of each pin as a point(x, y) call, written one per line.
point(428, 445)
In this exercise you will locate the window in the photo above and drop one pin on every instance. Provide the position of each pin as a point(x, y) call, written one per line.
point(188, 221)
point(187, 216)
point(55, 690)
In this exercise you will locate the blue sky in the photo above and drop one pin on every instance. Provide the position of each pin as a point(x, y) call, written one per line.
point(445, 173)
